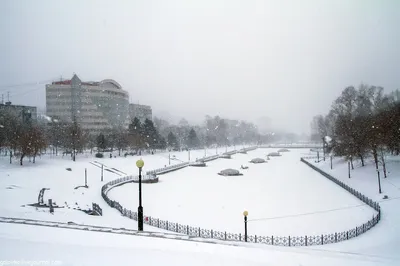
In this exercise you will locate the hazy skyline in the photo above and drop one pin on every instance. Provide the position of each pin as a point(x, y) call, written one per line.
point(286, 60)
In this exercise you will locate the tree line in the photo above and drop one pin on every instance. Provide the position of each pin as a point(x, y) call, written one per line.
point(362, 121)
point(28, 137)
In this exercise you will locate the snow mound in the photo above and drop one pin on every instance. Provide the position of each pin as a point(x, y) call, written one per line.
point(258, 160)
point(274, 154)
point(283, 150)
point(230, 172)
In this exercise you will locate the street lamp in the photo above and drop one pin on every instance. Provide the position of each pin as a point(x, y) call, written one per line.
point(140, 164)
point(245, 213)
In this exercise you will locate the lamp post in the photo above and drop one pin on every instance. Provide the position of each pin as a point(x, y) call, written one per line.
point(140, 164)
point(245, 213)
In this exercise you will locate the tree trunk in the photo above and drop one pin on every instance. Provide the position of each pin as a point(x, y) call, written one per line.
point(22, 157)
point(351, 162)
point(375, 154)
point(119, 152)
point(34, 158)
point(384, 168)
point(383, 163)
point(362, 160)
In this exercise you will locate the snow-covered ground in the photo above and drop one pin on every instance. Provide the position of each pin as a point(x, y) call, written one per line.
point(383, 239)
point(283, 197)
point(276, 180)
point(32, 245)
point(20, 185)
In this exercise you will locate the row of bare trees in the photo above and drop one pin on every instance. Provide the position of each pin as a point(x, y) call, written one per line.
point(20, 137)
point(362, 121)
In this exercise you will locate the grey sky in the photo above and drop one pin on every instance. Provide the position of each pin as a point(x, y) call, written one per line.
point(287, 60)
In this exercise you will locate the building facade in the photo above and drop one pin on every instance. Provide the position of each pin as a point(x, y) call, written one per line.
point(96, 106)
point(22, 112)
point(142, 112)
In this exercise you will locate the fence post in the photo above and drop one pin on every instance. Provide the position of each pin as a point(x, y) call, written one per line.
point(347, 233)
point(158, 222)
point(322, 239)
point(363, 228)
point(255, 238)
point(289, 241)
point(51, 206)
point(306, 240)
point(187, 229)
point(167, 225)
point(211, 233)
point(102, 173)
point(225, 235)
point(177, 228)
point(335, 237)
point(199, 232)
point(272, 238)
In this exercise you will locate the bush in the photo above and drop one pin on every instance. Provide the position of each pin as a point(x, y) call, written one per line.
point(99, 155)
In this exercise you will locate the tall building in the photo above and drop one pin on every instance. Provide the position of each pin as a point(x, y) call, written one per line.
point(95, 106)
point(142, 112)
point(23, 112)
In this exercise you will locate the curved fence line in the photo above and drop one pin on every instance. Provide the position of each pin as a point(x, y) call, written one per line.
point(167, 169)
point(195, 231)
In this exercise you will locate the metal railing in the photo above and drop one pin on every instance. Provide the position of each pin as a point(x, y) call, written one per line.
point(96, 209)
point(167, 169)
point(289, 240)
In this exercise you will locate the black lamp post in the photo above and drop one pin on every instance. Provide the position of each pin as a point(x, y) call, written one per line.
point(140, 164)
point(245, 213)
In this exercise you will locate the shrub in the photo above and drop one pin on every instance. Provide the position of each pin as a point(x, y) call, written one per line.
point(99, 155)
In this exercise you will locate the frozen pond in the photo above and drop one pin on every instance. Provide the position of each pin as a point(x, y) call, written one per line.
point(283, 197)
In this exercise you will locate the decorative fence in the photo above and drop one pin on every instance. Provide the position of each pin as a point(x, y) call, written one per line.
point(305, 240)
point(167, 169)
point(96, 209)
point(250, 148)
point(293, 146)
point(208, 158)
point(230, 152)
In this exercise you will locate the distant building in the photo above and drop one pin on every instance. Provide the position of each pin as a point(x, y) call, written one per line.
point(25, 113)
point(142, 112)
point(96, 106)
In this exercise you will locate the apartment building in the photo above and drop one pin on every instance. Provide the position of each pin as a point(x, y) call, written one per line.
point(142, 112)
point(95, 106)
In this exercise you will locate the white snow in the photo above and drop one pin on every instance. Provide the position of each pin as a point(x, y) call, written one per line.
point(283, 197)
point(383, 239)
point(295, 199)
point(29, 245)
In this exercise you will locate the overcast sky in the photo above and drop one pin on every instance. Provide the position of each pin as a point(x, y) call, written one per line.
point(286, 60)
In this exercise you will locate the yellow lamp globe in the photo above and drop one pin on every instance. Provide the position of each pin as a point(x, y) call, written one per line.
point(140, 163)
point(245, 213)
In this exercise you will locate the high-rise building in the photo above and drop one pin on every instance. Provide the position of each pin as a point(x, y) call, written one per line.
point(22, 112)
point(95, 106)
point(142, 112)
